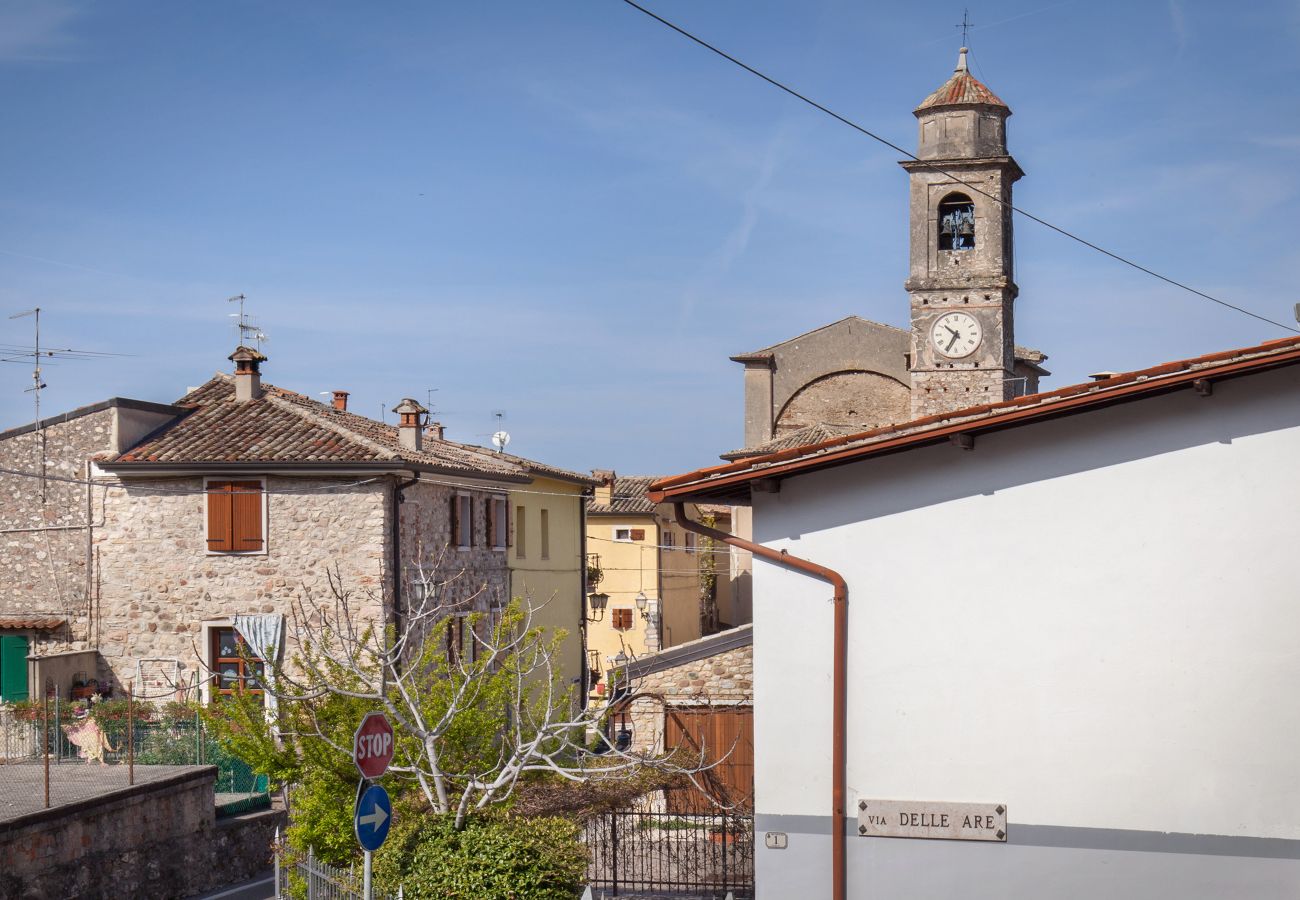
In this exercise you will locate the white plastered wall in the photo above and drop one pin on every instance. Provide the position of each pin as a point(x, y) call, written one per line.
point(1094, 620)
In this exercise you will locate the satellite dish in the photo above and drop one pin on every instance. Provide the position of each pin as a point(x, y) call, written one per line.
point(500, 439)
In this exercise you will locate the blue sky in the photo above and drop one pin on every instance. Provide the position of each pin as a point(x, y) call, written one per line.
point(566, 212)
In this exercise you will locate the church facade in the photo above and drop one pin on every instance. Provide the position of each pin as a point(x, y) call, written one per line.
point(960, 349)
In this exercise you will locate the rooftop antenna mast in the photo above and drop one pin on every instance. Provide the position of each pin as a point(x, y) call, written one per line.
point(501, 437)
point(13, 353)
point(246, 327)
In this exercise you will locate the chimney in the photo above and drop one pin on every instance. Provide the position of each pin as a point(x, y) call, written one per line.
point(410, 430)
point(341, 400)
point(248, 376)
point(435, 431)
point(604, 495)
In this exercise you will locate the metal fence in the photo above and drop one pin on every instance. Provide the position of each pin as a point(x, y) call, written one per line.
point(62, 736)
point(308, 878)
point(635, 854)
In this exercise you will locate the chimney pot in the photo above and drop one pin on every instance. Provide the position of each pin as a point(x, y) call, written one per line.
point(604, 493)
point(341, 400)
point(436, 431)
point(410, 430)
point(248, 374)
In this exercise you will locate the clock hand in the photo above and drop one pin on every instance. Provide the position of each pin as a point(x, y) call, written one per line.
point(955, 335)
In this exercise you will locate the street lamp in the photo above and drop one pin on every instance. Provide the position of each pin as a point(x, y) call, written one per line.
point(642, 601)
point(597, 602)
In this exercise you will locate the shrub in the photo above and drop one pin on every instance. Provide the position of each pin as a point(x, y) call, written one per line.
point(494, 857)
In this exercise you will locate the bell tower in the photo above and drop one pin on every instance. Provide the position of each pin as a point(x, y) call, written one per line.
point(961, 276)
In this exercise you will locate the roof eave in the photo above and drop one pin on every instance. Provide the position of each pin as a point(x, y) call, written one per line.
point(157, 468)
point(689, 487)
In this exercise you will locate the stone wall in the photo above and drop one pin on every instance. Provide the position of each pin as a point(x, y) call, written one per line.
point(724, 678)
point(159, 840)
point(43, 549)
point(159, 584)
point(465, 579)
point(859, 399)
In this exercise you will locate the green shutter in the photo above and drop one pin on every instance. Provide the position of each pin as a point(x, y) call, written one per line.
point(13, 668)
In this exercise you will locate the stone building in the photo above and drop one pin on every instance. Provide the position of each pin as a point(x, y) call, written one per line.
point(187, 530)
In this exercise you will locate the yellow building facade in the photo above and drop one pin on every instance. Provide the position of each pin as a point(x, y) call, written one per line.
point(664, 586)
point(547, 559)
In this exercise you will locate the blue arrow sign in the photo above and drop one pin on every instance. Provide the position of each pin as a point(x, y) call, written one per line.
point(373, 816)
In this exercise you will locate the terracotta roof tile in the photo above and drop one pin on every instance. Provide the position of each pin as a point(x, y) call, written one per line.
point(32, 623)
point(629, 497)
point(285, 426)
point(961, 88)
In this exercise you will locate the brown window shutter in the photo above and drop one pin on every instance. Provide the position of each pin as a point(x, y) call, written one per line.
point(246, 515)
point(490, 523)
point(455, 520)
point(469, 510)
point(638, 534)
point(219, 516)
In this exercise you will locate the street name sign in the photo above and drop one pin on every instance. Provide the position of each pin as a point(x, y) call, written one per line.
point(372, 745)
point(936, 821)
point(372, 818)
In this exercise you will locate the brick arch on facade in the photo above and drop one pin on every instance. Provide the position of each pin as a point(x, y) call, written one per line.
point(852, 397)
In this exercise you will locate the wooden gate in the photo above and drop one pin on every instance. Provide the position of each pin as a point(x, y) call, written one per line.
point(723, 733)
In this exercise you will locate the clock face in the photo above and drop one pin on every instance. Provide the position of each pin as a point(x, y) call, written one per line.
point(956, 334)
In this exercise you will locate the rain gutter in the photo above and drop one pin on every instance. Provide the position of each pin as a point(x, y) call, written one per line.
point(839, 682)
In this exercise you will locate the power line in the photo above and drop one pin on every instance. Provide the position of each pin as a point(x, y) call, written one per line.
point(890, 144)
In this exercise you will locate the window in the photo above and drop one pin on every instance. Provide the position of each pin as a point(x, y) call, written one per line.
point(690, 542)
point(461, 645)
point(235, 517)
point(956, 223)
point(497, 524)
point(462, 521)
point(546, 534)
point(621, 619)
point(520, 533)
point(669, 540)
point(625, 535)
point(234, 666)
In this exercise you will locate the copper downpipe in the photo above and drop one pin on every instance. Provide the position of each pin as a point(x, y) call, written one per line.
point(839, 680)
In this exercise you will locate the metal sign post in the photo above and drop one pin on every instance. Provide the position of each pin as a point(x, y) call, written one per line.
point(372, 751)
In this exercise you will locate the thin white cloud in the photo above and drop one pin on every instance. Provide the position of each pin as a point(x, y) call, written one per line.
point(37, 30)
point(1179, 22)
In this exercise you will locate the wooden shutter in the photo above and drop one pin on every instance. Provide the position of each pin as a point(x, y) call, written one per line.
point(637, 534)
point(490, 523)
point(455, 520)
point(469, 519)
point(13, 668)
point(219, 516)
point(246, 515)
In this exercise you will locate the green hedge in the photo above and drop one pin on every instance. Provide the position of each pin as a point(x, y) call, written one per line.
point(495, 857)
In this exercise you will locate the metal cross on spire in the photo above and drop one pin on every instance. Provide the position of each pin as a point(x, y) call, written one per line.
point(965, 25)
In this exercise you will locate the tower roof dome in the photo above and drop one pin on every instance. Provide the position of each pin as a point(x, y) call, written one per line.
point(962, 89)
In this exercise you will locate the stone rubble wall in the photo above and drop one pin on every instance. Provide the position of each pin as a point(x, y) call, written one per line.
point(44, 572)
point(160, 840)
point(159, 583)
point(726, 679)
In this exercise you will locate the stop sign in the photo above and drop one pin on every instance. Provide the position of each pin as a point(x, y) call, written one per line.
point(372, 745)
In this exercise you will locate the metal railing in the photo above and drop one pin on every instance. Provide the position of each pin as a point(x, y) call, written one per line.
point(309, 878)
point(58, 734)
point(643, 853)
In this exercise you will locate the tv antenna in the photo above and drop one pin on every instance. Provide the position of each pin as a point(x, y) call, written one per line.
point(501, 437)
point(428, 400)
point(246, 327)
point(14, 353)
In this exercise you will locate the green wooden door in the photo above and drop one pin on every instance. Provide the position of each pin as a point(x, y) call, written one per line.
point(13, 667)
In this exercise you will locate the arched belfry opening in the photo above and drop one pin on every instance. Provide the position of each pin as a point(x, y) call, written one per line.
point(956, 223)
